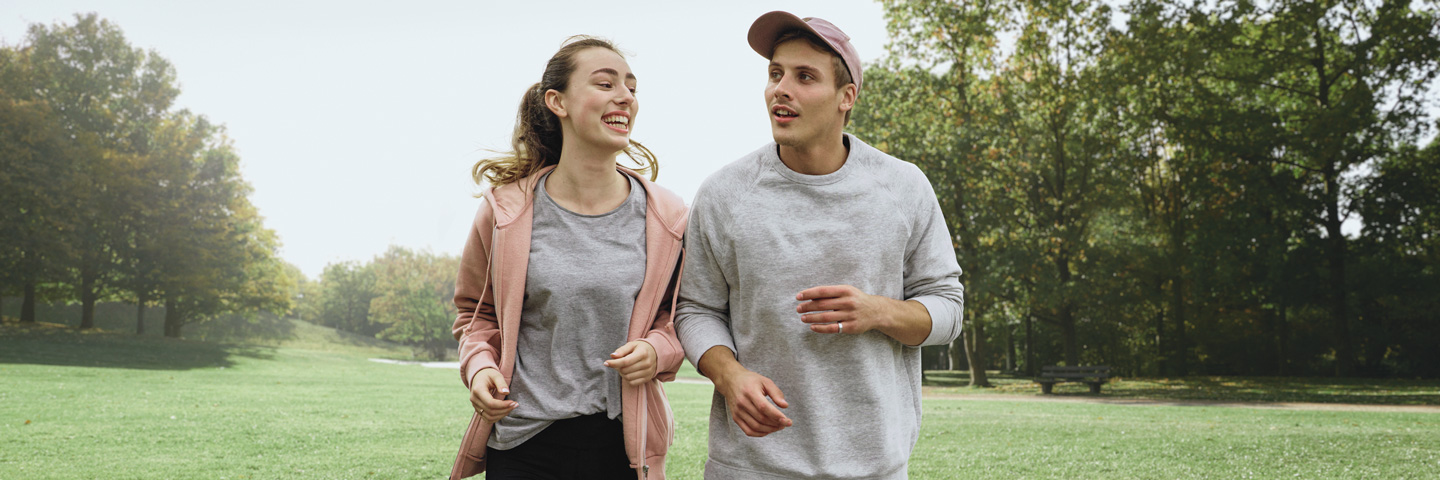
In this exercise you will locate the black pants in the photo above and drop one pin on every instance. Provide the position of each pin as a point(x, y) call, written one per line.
point(587, 447)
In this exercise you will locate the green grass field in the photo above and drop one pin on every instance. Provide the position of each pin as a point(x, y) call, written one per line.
point(116, 406)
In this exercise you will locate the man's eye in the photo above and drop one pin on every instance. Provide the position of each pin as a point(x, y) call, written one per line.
point(605, 84)
point(806, 76)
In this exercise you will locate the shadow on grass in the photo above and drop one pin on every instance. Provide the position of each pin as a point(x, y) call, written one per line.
point(1366, 391)
point(50, 344)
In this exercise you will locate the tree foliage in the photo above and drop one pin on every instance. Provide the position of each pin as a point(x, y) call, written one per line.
point(403, 295)
point(111, 193)
point(1167, 196)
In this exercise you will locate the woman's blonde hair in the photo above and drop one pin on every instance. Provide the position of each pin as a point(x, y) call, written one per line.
point(537, 141)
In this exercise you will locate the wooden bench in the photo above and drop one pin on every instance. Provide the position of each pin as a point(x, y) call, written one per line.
point(1094, 376)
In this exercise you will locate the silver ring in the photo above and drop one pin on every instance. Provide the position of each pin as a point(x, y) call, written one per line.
point(841, 325)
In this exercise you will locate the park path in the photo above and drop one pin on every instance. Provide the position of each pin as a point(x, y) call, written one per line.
point(985, 397)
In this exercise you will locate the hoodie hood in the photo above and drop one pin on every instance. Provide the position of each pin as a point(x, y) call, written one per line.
point(510, 201)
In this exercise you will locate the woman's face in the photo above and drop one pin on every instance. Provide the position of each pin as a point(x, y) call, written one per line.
point(598, 108)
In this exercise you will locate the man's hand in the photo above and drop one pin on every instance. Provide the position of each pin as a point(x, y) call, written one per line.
point(487, 395)
point(747, 394)
point(846, 309)
point(635, 361)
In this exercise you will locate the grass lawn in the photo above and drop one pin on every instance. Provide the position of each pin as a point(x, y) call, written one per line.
point(114, 406)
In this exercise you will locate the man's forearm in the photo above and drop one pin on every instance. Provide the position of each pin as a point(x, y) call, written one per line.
point(716, 362)
point(908, 323)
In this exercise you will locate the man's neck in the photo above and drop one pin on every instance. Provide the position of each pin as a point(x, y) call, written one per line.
point(818, 158)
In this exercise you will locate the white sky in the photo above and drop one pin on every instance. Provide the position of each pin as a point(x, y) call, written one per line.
point(357, 122)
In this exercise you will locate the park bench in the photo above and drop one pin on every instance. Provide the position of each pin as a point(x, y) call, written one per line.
point(1095, 376)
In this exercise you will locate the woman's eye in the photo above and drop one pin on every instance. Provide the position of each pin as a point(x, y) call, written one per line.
point(774, 75)
point(605, 84)
point(632, 90)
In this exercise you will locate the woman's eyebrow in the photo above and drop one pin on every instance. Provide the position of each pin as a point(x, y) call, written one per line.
point(628, 76)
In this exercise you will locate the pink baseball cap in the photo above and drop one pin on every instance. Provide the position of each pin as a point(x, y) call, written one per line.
point(770, 26)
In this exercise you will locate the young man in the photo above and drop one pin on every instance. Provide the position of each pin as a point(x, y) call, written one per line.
point(815, 268)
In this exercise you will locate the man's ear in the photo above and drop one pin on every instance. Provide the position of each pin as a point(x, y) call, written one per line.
point(555, 102)
point(848, 95)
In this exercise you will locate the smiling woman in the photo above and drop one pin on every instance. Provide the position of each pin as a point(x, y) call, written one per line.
point(535, 327)
point(539, 137)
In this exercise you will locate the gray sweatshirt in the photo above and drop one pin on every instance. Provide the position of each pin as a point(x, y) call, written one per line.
point(759, 234)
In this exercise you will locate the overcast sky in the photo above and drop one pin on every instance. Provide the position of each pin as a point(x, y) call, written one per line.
point(357, 122)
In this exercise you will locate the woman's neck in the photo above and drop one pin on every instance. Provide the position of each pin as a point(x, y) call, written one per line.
point(588, 186)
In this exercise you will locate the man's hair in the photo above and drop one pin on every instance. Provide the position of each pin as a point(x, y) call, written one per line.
point(842, 74)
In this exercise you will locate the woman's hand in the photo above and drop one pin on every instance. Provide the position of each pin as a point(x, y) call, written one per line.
point(635, 361)
point(487, 395)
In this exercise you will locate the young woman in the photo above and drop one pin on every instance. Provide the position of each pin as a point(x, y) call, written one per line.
point(566, 286)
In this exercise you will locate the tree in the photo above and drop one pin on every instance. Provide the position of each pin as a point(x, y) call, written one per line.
point(416, 299)
point(36, 174)
point(220, 258)
point(1034, 145)
point(107, 96)
point(344, 296)
point(1314, 89)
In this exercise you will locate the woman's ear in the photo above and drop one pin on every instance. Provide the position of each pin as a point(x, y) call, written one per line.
point(554, 100)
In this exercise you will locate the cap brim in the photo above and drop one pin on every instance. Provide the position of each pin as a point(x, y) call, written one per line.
point(768, 28)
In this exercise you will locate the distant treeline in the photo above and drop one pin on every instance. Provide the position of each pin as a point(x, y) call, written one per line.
point(1169, 195)
point(109, 193)
point(403, 295)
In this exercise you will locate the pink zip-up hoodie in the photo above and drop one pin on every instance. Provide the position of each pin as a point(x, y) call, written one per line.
point(490, 293)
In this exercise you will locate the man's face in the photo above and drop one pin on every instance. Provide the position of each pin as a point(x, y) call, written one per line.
point(805, 107)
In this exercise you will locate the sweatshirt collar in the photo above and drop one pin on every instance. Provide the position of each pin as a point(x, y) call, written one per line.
point(772, 156)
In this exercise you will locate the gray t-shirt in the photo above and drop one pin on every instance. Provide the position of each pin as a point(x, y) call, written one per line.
point(580, 288)
point(760, 233)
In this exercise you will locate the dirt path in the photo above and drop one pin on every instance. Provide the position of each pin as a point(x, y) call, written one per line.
point(1337, 407)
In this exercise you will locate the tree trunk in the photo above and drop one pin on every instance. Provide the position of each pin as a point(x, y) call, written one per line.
point(1335, 255)
point(1029, 345)
point(1270, 322)
point(143, 298)
point(975, 340)
point(1067, 330)
point(1010, 348)
point(87, 298)
point(172, 318)
point(1160, 353)
point(957, 352)
point(1181, 344)
point(1282, 342)
point(27, 306)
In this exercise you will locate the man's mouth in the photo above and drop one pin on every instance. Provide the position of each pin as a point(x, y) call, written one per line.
point(783, 112)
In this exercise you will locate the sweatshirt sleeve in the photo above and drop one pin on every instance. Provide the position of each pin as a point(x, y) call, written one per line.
point(932, 273)
point(703, 317)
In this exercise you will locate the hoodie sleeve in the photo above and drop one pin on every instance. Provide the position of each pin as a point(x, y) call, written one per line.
point(475, 325)
point(662, 336)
